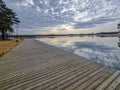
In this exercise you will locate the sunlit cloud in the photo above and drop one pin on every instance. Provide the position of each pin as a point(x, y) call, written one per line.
point(63, 29)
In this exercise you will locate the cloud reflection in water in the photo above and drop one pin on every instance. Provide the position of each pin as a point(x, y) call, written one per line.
point(96, 51)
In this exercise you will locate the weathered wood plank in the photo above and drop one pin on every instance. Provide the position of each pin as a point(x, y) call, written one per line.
point(37, 74)
point(96, 83)
point(92, 78)
point(52, 84)
point(104, 85)
point(114, 83)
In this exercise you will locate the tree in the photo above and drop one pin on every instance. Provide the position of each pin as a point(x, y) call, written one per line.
point(7, 19)
point(118, 27)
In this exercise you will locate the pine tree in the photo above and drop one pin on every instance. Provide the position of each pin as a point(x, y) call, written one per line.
point(7, 19)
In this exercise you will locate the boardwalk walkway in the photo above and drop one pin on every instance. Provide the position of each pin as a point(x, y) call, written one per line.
point(34, 65)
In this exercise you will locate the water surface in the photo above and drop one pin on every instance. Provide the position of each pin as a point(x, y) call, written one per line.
point(103, 50)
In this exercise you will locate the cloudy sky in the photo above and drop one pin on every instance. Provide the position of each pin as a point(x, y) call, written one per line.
point(66, 16)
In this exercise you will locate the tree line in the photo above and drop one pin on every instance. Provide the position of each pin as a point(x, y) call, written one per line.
point(8, 18)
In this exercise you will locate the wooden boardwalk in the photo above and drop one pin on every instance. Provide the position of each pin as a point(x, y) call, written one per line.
point(34, 65)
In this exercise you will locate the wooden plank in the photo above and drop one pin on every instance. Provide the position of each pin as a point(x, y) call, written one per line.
point(78, 83)
point(104, 85)
point(67, 82)
point(114, 83)
point(50, 79)
point(96, 83)
point(30, 78)
point(93, 79)
point(53, 84)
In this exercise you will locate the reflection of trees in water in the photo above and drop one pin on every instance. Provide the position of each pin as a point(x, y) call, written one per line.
point(119, 41)
point(118, 27)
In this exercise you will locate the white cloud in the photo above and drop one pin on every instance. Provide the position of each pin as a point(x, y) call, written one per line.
point(30, 2)
point(24, 3)
point(63, 27)
point(38, 9)
point(77, 17)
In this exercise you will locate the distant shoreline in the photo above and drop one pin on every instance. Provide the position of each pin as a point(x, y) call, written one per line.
point(101, 34)
point(70, 35)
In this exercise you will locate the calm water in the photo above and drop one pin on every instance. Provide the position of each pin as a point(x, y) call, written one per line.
point(101, 50)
